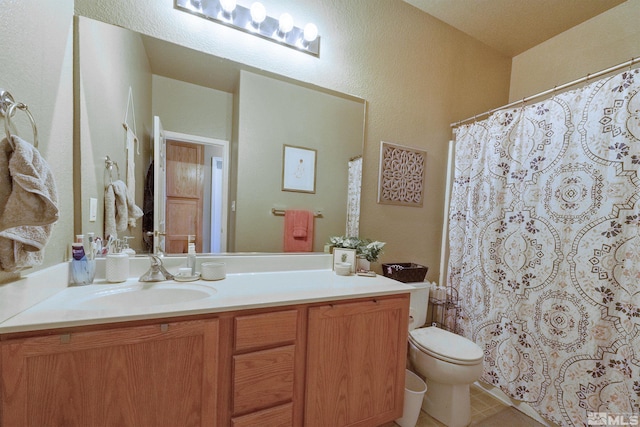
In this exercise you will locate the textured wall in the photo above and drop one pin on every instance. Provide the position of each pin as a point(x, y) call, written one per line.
point(417, 74)
point(37, 66)
point(608, 39)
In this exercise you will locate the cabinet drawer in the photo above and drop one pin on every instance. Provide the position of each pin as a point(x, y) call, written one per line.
point(262, 379)
point(267, 329)
point(279, 416)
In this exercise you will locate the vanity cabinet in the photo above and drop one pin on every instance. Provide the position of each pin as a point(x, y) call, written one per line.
point(356, 355)
point(151, 375)
point(321, 364)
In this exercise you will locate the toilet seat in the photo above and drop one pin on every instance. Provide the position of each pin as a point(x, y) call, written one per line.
point(447, 346)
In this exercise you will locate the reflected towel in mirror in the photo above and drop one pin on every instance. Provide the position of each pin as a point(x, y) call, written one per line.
point(120, 211)
point(298, 231)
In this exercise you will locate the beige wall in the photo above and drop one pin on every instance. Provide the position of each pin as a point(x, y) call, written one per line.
point(608, 39)
point(37, 69)
point(273, 113)
point(192, 109)
point(417, 74)
point(112, 60)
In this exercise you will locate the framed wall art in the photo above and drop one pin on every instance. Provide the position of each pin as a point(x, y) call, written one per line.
point(344, 255)
point(298, 169)
point(401, 175)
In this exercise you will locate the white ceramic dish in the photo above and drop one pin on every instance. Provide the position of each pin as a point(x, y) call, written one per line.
point(343, 268)
point(179, 278)
point(213, 270)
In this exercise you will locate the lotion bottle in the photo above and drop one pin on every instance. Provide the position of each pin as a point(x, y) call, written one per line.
point(191, 258)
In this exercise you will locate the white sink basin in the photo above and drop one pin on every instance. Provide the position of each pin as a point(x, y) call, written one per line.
point(142, 295)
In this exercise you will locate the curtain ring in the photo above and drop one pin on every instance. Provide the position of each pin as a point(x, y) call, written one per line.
point(588, 75)
point(7, 122)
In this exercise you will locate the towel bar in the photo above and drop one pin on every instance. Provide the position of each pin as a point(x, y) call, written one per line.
point(280, 212)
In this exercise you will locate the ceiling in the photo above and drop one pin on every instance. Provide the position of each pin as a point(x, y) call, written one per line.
point(513, 26)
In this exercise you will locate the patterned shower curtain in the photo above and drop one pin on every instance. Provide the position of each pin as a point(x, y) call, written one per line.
point(353, 197)
point(545, 249)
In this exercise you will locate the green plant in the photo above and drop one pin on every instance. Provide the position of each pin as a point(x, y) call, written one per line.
point(369, 249)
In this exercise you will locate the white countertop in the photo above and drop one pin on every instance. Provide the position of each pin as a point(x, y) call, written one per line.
point(237, 291)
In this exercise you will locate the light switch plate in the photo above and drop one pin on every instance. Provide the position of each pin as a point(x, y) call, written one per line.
point(93, 209)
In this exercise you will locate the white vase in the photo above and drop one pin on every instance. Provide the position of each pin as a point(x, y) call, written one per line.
point(363, 264)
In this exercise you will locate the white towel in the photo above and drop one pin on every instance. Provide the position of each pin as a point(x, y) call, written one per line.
point(28, 205)
point(131, 163)
point(120, 211)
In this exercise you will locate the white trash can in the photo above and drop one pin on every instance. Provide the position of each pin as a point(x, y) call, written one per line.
point(414, 390)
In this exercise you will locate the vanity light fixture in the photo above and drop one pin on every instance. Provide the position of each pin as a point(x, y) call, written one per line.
point(227, 8)
point(285, 24)
point(258, 15)
point(254, 20)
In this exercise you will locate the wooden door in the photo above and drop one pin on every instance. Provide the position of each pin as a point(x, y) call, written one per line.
point(159, 186)
point(356, 357)
point(184, 203)
point(157, 375)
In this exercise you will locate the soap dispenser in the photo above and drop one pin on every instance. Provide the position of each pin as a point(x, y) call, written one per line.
point(117, 264)
point(125, 246)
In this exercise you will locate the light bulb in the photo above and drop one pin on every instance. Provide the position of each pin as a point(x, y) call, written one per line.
point(228, 5)
point(258, 13)
point(285, 24)
point(310, 32)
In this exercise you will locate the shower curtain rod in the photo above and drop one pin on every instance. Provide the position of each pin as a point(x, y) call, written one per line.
point(588, 77)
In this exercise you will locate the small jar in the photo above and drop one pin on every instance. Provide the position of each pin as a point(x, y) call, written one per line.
point(117, 267)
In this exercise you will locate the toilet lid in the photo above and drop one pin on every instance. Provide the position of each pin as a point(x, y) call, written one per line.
point(446, 345)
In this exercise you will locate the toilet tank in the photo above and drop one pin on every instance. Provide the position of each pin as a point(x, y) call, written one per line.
point(418, 305)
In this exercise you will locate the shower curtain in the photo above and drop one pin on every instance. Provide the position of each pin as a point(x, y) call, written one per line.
point(545, 249)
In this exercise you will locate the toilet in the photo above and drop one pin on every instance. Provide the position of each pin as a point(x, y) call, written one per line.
point(448, 362)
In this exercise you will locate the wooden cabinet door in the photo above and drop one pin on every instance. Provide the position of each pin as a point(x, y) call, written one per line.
point(356, 357)
point(157, 375)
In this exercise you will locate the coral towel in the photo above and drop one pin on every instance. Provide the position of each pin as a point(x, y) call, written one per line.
point(298, 231)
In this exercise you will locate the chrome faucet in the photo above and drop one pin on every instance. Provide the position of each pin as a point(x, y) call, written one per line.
point(157, 272)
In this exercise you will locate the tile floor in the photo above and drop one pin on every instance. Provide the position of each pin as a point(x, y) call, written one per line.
point(483, 405)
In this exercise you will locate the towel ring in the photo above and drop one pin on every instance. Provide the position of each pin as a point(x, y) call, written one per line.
point(109, 164)
point(8, 107)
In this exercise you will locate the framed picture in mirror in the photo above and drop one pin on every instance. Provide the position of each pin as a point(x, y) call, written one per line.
point(298, 169)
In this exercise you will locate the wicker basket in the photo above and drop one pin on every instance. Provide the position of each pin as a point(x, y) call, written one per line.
point(405, 272)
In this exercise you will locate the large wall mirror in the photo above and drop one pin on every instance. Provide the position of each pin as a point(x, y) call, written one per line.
point(224, 127)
